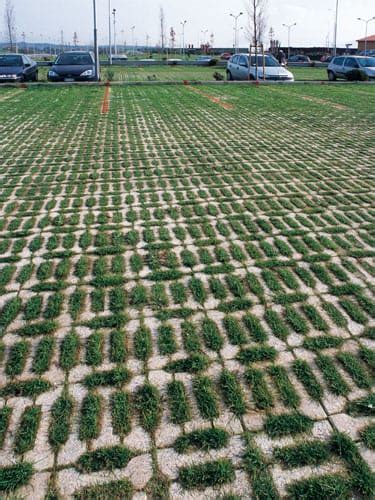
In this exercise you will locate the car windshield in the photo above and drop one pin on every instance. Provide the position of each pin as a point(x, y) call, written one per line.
point(268, 61)
point(11, 61)
point(74, 60)
point(367, 62)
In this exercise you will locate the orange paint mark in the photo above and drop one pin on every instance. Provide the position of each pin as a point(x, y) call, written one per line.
point(215, 100)
point(106, 98)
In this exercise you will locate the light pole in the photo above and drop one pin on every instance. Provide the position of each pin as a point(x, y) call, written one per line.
point(96, 48)
point(109, 33)
point(133, 28)
point(183, 24)
point(289, 27)
point(235, 30)
point(204, 36)
point(366, 21)
point(336, 27)
point(114, 30)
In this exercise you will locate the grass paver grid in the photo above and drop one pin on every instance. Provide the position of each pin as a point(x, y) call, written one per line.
point(187, 288)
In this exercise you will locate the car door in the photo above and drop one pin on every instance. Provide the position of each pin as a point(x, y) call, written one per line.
point(350, 64)
point(234, 67)
point(338, 65)
point(243, 68)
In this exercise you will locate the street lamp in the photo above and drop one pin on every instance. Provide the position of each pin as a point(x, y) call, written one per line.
point(289, 27)
point(336, 26)
point(183, 24)
point(96, 48)
point(133, 28)
point(366, 21)
point(235, 30)
point(109, 33)
point(114, 30)
point(204, 36)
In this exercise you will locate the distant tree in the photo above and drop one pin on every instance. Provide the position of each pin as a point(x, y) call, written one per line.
point(10, 23)
point(257, 22)
point(172, 35)
point(162, 28)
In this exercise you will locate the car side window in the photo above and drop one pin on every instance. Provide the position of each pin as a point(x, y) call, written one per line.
point(351, 63)
point(243, 61)
point(235, 59)
point(339, 61)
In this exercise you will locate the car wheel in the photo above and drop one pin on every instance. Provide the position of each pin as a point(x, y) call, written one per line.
point(331, 76)
point(229, 76)
point(35, 77)
point(251, 77)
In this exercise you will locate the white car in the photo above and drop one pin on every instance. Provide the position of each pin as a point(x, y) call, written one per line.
point(238, 68)
point(339, 67)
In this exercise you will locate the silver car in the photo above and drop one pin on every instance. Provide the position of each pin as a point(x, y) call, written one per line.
point(238, 68)
point(339, 67)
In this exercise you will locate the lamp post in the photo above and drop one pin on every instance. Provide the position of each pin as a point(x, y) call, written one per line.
point(109, 33)
point(366, 21)
point(204, 32)
point(114, 31)
point(235, 30)
point(96, 48)
point(133, 28)
point(289, 27)
point(336, 27)
point(183, 24)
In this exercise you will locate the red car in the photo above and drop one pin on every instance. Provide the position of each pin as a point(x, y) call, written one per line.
point(225, 56)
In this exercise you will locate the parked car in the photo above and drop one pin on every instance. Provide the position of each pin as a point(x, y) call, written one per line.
point(119, 58)
point(17, 68)
point(225, 56)
point(238, 68)
point(326, 59)
point(299, 59)
point(74, 66)
point(341, 66)
point(370, 53)
point(206, 61)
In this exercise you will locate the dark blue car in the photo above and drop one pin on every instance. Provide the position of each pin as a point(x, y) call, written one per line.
point(17, 68)
point(74, 66)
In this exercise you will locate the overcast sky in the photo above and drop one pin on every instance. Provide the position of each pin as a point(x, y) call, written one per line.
point(314, 18)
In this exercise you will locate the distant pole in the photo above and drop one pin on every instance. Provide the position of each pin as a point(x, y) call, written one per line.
point(366, 21)
point(183, 24)
point(133, 46)
point(235, 30)
point(109, 32)
point(96, 48)
point(336, 26)
point(114, 31)
point(289, 27)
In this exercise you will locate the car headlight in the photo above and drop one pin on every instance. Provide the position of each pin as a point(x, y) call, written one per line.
point(88, 72)
point(52, 73)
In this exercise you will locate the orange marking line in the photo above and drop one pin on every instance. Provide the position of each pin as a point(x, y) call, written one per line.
point(213, 99)
point(106, 99)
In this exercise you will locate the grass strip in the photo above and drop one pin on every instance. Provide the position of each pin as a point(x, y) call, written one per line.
point(148, 404)
point(300, 455)
point(232, 393)
point(114, 457)
point(59, 427)
point(178, 402)
point(27, 430)
point(328, 486)
point(307, 378)
point(335, 382)
point(114, 490)
point(202, 439)
point(206, 396)
point(261, 395)
point(13, 477)
point(284, 386)
point(287, 424)
point(116, 377)
point(207, 475)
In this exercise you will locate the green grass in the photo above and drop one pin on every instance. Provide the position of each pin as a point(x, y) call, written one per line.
point(260, 392)
point(284, 386)
point(59, 426)
point(203, 439)
point(17, 359)
point(206, 396)
point(116, 378)
point(25, 389)
point(166, 340)
point(334, 380)
point(194, 364)
point(277, 325)
point(330, 486)
point(142, 343)
point(211, 335)
point(287, 424)
point(368, 436)
point(300, 455)
point(69, 351)
point(13, 477)
point(362, 407)
point(353, 367)
point(148, 405)
point(5, 414)
point(255, 354)
point(307, 378)
point(114, 490)
point(27, 430)
point(121, 413)
point(205, 475)
point(178, 402)
point(232, 393)
point(90, 418)
point(115, 457)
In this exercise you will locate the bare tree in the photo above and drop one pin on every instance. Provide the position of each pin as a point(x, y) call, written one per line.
point(162, 28)
point(10, 23)
point(257, 23)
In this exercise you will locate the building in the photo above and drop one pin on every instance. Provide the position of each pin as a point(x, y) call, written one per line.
point(370, 43)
